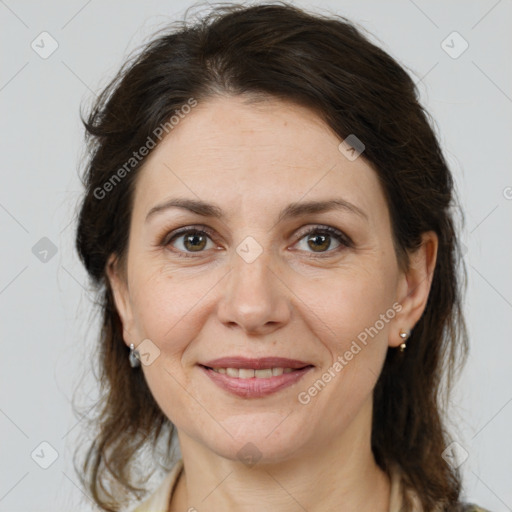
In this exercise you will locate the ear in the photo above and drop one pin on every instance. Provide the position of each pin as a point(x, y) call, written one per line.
point(119, 285)
point(414, 287)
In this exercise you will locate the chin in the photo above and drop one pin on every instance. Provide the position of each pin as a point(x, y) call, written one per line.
point(261, 438)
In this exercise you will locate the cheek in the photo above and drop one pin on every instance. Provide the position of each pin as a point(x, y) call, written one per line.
point(165, 304)
point(353, 315)
point(355, 305)
point(358, 319)
point(165, 312)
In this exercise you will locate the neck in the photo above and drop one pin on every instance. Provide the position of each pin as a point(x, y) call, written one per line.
point(333, 474)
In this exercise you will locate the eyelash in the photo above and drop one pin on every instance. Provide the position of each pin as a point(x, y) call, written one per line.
point(343, 239)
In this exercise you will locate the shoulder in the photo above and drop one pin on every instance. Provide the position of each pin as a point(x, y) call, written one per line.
point(398, 489)
point(461, 507)
point(470, 507)
point(159, 500)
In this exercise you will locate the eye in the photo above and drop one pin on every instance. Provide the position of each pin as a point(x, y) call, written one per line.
point(319, 239)
point(189, 240)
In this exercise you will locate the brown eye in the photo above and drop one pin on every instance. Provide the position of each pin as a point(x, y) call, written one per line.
point(320, 240)
point(189, 241)
point(194, 242)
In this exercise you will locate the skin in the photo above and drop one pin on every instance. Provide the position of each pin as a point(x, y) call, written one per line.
point(294, 300)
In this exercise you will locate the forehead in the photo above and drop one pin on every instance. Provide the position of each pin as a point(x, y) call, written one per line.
point(242, 154)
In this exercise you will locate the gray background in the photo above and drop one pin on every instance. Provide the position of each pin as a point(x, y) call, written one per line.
point(46, 325)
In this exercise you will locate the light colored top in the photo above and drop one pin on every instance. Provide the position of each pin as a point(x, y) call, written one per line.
point(159, 501)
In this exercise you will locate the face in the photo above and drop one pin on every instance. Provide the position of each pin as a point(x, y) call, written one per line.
point(310, 297)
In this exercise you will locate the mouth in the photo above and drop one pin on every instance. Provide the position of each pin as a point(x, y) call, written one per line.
point(249, 373)
point(255, 378)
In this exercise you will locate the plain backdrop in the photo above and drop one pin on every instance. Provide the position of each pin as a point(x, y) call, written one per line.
point(46, 328)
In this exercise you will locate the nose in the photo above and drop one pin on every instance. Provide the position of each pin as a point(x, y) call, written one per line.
point(254, 298)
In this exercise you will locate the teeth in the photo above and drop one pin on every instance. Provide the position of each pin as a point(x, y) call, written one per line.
point(232, 372)
point(249, 373)
point(263, 374)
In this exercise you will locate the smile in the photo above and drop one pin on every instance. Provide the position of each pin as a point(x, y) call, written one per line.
point(254, 378)
point(249, 373)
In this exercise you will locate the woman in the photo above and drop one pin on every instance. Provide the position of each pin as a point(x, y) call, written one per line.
point(268, 219)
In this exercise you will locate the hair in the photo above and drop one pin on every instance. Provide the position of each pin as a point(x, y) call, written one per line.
point(325, 63)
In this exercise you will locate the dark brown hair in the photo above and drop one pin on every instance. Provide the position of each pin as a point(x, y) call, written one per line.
point(326, 64)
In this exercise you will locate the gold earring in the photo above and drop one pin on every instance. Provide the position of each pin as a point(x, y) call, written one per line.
point(404, 336)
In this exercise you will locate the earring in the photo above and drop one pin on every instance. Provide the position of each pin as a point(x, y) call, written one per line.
point(134, 356)
point(404, 336)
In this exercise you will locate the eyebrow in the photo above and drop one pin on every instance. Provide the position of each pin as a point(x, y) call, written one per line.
point(291, 211)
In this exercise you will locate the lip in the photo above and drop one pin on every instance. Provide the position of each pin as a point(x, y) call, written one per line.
point(255, 387)
point(260, 363)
